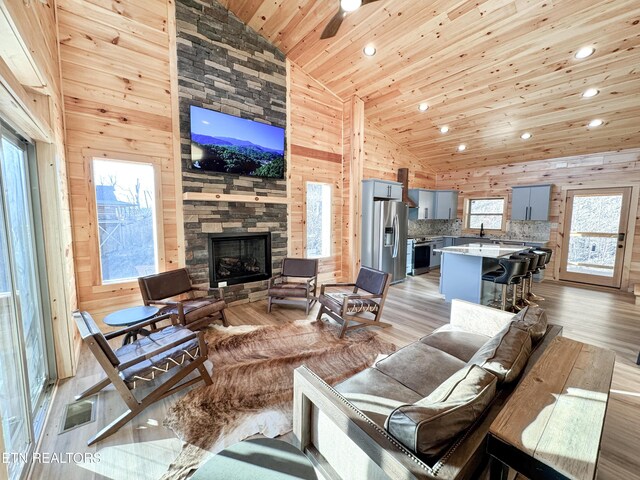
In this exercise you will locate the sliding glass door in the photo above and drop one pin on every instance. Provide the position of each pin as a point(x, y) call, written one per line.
point(24, 372)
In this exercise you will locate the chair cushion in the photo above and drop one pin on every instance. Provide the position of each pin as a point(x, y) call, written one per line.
point(420, 367)
point(148, 369)
point(289, 289)
point(460, 344)
point(430, 425)
point(533, 319)
point(334, 302)
point(376, 394)
point(505, 354)
point(196, 309)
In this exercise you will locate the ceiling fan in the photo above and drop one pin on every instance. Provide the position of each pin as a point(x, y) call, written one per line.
point(346, 6)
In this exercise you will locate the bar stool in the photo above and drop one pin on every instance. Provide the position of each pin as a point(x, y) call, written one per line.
point(541, 266)
point(511, 271)
point(533, 265)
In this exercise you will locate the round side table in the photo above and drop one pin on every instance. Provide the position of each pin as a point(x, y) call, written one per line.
point(131, 316)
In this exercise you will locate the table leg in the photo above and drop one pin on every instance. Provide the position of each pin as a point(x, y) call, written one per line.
point(130, 337)
point(498, 470)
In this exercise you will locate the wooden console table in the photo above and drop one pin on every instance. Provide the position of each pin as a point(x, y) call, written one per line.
point(551, 426)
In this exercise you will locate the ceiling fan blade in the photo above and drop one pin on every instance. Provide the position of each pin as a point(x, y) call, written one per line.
point(334, 24)
point(365, 2)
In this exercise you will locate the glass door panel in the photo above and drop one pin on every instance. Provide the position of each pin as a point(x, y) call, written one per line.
point(13, 401)
point(593, 247)
point(22, 246)
point(24, 371)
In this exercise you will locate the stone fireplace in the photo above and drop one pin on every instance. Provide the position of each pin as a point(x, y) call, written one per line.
point(225, 66)
point(239, 258)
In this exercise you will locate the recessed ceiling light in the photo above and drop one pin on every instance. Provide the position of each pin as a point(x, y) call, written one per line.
point(595, 123)
point(350, 5)
point(423, 107)
point(369, 50)
point(526, 136)
point(444, 129)
point(590, 92)
point(462, 147)
point(584, 52)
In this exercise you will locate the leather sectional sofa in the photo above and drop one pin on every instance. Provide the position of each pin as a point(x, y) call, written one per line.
point(424, 411)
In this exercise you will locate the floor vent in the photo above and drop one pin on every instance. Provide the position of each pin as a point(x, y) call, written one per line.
point(77, 414)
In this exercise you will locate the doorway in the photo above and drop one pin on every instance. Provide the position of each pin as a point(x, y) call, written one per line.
point(25, 356)
point(595, 227)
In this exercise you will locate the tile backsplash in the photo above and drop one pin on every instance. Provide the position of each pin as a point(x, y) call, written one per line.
point(515, 229)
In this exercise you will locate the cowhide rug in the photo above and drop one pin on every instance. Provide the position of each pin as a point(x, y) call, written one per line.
point(252, 391)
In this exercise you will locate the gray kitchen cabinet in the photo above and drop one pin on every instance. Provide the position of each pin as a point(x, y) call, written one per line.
point(436, 256)
point(449, 241)
point(446, 204)
point(531, 202)
point(425, 201)
point(384, 189)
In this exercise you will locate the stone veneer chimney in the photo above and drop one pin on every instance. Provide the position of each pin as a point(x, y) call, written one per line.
point(225, 66)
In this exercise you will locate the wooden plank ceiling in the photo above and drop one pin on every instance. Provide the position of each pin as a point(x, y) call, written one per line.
point(490, 70)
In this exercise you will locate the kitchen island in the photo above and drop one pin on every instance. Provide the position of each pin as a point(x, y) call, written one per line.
point(462, 268)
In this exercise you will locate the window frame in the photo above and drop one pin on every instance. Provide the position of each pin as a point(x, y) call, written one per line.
point(98, 284)
point(330, 217)
point(467, 214)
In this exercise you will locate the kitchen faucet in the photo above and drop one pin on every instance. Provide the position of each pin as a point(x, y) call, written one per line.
point(481, 230)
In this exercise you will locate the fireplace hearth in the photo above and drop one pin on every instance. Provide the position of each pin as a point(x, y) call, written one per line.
point(239, 258)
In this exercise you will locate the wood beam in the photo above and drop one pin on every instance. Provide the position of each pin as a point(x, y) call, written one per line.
point(224, 197)
point(353, 167)
point(27, 110)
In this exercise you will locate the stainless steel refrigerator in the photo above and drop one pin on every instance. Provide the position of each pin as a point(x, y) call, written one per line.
point(384, 238)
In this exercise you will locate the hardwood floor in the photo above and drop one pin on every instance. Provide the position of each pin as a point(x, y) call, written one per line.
point(144, 448)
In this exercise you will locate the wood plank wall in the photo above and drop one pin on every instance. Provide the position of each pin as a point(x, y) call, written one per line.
point(314, 133)
point(383, 157)
point(116, 69)
point(38, 67)
point(585, 171)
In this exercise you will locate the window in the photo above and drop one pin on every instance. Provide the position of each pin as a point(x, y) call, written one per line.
point(127, 227)
point(485, 212)
point(318, 220)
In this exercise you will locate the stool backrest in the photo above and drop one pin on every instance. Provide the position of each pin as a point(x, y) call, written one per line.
point(517, 268)
point(533, 260)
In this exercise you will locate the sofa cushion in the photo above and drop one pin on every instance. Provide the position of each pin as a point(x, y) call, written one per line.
point(460, 344)
point(533, 319)
point(430, 425)
point(505, 354)
point(420, 367)
point(376, 394)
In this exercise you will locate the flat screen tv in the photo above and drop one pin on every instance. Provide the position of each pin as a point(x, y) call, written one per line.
point(228, 144)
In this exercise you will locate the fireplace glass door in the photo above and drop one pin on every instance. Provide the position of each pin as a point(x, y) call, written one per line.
point(239, 258)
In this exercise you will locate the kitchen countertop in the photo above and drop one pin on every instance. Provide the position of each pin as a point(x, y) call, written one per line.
point(486, 250)
point(498, 239)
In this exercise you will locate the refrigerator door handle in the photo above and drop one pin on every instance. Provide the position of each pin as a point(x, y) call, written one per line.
point(396, 234)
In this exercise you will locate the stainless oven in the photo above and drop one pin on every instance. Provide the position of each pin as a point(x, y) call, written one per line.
point(421, 256)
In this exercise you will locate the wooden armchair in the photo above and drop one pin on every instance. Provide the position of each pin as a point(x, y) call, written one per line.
point(141, 362)
point(283, 290)
point(193, 312)
point(349, 307)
